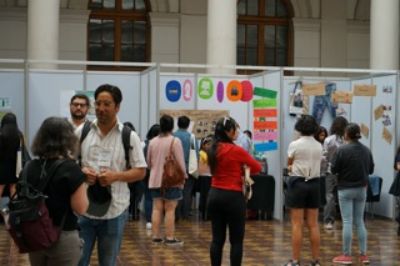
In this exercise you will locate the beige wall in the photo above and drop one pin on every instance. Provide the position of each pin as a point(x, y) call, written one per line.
point(324, 34)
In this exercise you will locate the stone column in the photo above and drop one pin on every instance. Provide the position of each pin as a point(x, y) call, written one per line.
point(384, 36)
point(43, 31)
point(221, 34)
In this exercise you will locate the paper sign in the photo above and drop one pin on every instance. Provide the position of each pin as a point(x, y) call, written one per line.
point(364, 90)
point(266, 146)
point(387, 135)
point(364, 130)
point(263, 103)
point(378, 112)
point(314, 89)
point(342, 97)
point(266, 93)
point(265, 125)
point(259, 136)
point(265, 112)
point(202, 121)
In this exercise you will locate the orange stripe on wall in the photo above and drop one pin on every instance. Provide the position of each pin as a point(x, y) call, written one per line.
point(265, 112)
point(266, 125)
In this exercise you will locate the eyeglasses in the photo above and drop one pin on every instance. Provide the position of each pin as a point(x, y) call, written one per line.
point(79, 104)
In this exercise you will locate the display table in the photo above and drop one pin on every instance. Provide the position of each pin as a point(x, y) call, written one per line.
point(263, 199)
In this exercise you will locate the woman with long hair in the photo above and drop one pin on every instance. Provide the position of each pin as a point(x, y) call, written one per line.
point(331, 144)
point(11, 141)
point(164, 200)
point(66, 190)
point(353, 163)
point(226, 203)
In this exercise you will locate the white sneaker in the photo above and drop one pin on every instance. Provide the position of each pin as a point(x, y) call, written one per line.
point(328, 225)
point(148, 226)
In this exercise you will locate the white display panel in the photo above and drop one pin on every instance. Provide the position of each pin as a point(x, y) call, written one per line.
point(48, 93)
point(381, 148)
point(13, 94)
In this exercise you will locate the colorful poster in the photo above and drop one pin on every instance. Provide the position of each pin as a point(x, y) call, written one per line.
point(265, 123)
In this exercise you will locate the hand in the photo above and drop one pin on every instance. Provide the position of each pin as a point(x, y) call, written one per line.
point(91, 175)
point(107, 177)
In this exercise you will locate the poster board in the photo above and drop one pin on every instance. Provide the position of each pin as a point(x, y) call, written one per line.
point(202, 122)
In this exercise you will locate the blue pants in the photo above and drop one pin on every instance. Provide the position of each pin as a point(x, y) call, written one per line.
point(148, 203)
point(352, 205)
point(323, 102)
point(109, 237)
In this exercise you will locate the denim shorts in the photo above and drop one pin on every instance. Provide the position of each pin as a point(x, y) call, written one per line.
point(173, 193)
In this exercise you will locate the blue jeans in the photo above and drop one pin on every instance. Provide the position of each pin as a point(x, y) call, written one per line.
point(352, 205)
point(109, 237)
point(324, 101)
point(148, 203)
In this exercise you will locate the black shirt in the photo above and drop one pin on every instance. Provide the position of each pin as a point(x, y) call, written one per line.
point(353, 163)
point(67, 178)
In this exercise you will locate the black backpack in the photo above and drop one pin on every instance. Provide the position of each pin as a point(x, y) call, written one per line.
point(29, 222)
point(126, 141)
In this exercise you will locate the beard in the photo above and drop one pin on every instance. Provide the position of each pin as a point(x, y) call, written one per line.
point(78, 116)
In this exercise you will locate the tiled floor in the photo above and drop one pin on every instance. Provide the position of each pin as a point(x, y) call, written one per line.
point(266, 243)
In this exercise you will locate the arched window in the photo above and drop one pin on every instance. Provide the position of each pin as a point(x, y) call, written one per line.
point(118, 30)
point(264, 33)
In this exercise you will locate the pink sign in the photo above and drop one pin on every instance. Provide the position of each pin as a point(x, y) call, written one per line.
point(258, 136)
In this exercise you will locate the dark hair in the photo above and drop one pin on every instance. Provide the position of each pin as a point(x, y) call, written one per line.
point(353, 131)
point(248, 133)
point(55, 138)
point(223, 125)
point(81, 96)
point(319, 131)
point(113, 90)
point(183, 122)
point(10, 137)
point(206, 140)
point(130, 125)
point(395, 158)
point(154, 131)
point(338, 126)
point(166, 124)
point(306, 125)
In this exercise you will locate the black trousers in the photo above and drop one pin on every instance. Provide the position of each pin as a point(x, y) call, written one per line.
point(227, 209)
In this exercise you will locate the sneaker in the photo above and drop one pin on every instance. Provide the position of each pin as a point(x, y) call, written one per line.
point(173, 242)
point(364, 259)
point(148, 226)
point(157, 240)
point(343, 259)
point(328, 226)
point(315, 263)
point(292, 263)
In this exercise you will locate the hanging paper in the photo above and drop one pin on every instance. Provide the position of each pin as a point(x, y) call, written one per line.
point(265, 93)
point(387, 135)
point(314, 89)
point(364, 130)
point(364, 90)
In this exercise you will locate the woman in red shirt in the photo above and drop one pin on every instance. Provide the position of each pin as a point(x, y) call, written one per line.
point(226, 202)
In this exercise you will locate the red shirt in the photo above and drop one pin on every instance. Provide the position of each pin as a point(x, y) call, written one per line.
point(229, 171)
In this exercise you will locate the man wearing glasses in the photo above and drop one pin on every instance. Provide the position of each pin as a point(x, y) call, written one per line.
point(78, 107)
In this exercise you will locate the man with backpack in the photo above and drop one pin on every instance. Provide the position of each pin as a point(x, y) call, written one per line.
point(108, 171)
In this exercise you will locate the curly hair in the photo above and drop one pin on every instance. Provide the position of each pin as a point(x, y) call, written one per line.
point(54, 139)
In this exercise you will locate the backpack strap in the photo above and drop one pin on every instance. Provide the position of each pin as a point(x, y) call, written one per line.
point(45, 176)
point(85, 131)
point(126, 142)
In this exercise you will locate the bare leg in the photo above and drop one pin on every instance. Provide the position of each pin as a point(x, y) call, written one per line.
point(313, 226)
point(12, 188)
point(297, 218)
point(156, 217)
point(170, 206)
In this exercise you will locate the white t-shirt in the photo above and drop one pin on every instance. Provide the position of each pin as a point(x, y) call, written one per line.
point(306, 153)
